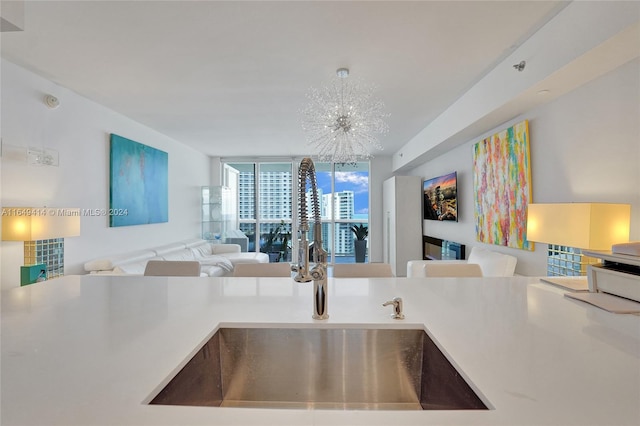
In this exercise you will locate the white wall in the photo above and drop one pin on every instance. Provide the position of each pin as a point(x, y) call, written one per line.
point(79, 129)
point(584, 41)
point(379, 171)
point(585, 147)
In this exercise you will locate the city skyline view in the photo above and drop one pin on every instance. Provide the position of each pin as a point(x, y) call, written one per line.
point(280, 181)
point(347, 205)
point(355, 181)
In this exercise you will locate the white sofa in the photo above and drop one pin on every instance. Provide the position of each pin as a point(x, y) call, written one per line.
point(492, 264)
point(216, 260)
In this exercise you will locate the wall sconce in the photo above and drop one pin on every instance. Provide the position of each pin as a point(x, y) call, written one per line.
point(570, 227)
point(34, 155)
point(42, 157)
point(43, 231)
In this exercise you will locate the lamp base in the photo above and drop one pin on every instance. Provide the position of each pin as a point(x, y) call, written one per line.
point(32, 273)
point(50, 252)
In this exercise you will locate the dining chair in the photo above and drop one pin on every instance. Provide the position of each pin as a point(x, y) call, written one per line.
point(436, 269)
point(172, 268)
point(362, 270)
point(278, 269)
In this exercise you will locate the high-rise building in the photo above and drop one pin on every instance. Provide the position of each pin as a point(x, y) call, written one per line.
point(274, 194)
point(275, 202)
point(343, 208)
point(246, 195)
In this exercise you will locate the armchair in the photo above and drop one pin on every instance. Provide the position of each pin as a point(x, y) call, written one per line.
point(492, 264)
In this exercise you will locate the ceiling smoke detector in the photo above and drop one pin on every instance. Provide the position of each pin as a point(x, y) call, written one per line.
point(51, 101)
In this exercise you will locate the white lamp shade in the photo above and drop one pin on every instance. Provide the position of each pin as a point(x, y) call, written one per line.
point(595, 226)
point(32, 224)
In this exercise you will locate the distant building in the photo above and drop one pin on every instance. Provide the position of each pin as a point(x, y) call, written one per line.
point(275, 202)
point(275, 195)
point(343, 208)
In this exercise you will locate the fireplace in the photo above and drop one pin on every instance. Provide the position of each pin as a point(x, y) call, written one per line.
point(438, 249)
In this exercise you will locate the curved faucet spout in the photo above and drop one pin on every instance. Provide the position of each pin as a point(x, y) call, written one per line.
point(317, 273)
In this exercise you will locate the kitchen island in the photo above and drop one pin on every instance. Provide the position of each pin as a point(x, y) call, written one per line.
point(91, 350)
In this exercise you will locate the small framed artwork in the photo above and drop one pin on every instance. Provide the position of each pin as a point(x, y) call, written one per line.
point(440, 198)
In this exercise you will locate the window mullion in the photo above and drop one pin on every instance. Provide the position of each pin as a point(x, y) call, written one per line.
point(294, 212)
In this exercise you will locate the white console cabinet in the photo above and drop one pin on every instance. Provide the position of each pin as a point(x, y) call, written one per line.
point(402, 222)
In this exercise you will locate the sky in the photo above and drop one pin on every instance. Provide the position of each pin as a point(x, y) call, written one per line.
point(358, 182)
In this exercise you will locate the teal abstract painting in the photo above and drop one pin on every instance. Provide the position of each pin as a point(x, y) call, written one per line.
point(139, 185)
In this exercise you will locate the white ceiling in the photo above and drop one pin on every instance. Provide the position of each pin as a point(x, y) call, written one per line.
point(230, 78)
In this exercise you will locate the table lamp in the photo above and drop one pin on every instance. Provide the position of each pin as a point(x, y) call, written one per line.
point(571, 227)
point(43, 231)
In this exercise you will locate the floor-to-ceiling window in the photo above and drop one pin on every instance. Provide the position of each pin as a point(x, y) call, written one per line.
point(247, 200)
point(344, 202)
point(275, 206)
point(268, 207)
point(265, 205)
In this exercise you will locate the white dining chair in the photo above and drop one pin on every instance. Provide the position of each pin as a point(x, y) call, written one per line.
point(362, 270)
point(279, 269)
point(436, 269)
point(172, 268)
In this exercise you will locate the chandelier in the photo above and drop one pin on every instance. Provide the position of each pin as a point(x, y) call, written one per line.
point(342, 120)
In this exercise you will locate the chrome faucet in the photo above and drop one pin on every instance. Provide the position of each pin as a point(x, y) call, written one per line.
point(397, 307)
point(318, 272)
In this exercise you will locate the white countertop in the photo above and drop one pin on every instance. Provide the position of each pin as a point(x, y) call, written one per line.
point(91, 350)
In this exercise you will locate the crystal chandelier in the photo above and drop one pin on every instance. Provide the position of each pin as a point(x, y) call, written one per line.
point(342, 120)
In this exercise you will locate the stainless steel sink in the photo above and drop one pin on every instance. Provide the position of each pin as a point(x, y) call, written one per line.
point(320, 368)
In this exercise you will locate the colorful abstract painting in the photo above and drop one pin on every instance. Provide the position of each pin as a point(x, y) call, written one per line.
point(502, 186)
point(139, 192)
